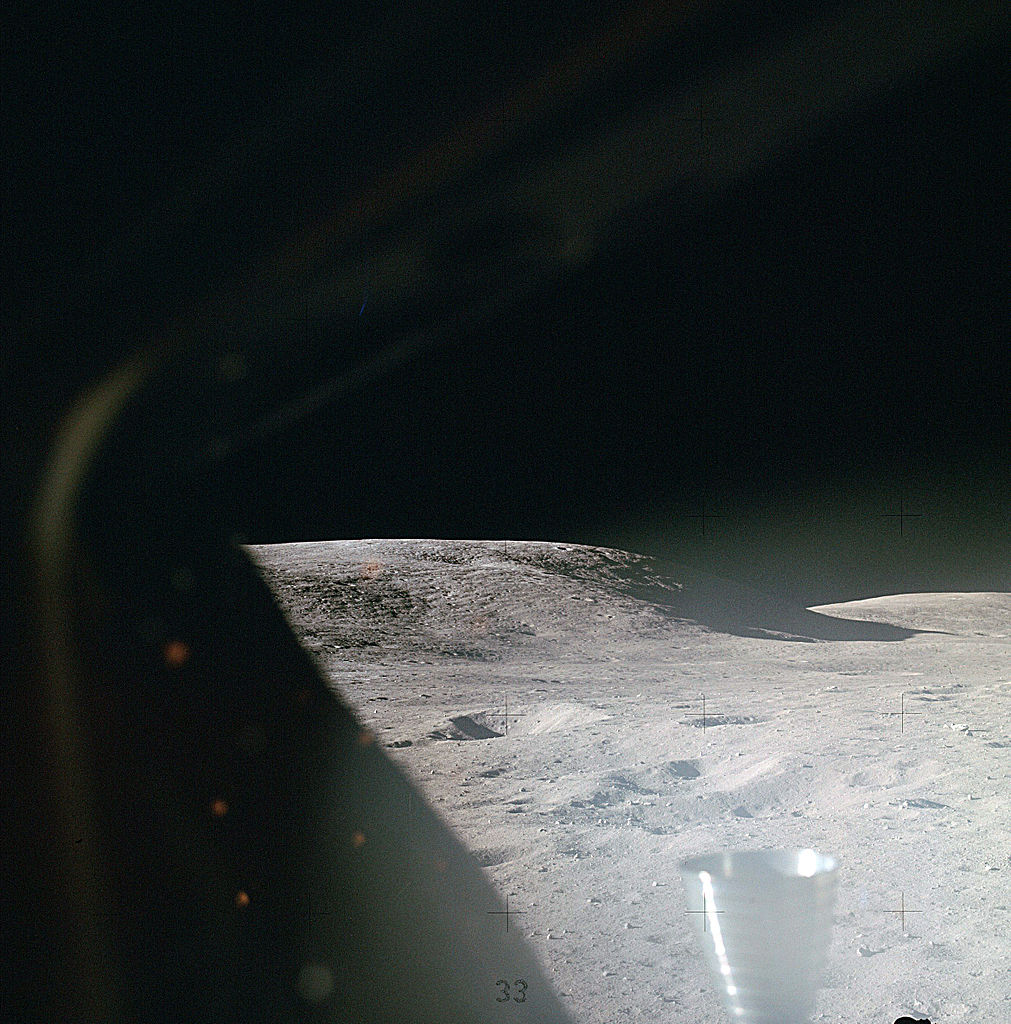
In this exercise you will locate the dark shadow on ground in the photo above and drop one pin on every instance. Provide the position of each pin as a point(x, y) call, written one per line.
point(728, 607)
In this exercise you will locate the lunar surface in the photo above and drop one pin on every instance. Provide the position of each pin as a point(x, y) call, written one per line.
point(583, 718)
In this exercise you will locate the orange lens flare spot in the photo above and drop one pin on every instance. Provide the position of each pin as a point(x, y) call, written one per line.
point(370, 570)
point(242, 899)
point(176, 653)
point(358, 840)
point(366, 738)
point(219, 808)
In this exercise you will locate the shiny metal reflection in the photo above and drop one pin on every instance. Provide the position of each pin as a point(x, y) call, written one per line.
point(764, 919)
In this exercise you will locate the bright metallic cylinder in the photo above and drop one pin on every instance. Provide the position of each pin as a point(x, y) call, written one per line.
point(764, 919)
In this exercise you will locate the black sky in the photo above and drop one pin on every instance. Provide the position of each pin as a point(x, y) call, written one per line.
point(822, 341)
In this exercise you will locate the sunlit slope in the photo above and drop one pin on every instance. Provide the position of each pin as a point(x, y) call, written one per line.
point(482, 598)
point(978, 614)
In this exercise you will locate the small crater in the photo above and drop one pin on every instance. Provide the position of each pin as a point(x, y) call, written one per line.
point(489, 858)
point(472, 728)
point(466, 727)
point(711, 721)
point(683, 769)
point(621, 787)
point(626, 781)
